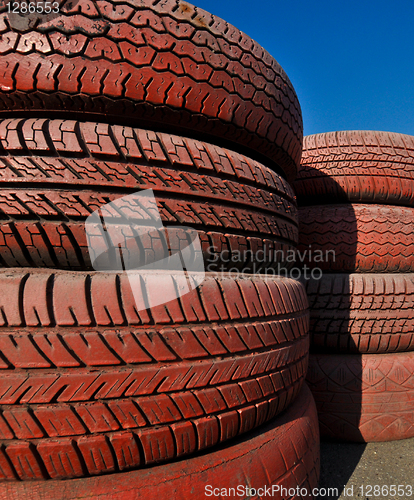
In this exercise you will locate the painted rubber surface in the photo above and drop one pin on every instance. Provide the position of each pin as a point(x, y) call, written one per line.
point(365, 238)
point(166, 63)
point(357, 166)
point(94, 384)
point(285, 452)
point(240, 208)
point(363, 398)
point(365, 313)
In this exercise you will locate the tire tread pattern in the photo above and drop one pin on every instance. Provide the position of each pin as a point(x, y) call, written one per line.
point(364, 398)
point(365, 313)
point(364, 238)
point(238, 206)
point(285, 452)
point(357, 166)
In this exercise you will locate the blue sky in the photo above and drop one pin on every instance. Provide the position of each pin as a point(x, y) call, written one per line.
point(351, 62)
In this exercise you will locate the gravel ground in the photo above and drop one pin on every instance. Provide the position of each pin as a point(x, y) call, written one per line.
point(348, 466)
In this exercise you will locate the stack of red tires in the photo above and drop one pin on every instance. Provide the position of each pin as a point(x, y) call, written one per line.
point(120, 388)
point(357, 218)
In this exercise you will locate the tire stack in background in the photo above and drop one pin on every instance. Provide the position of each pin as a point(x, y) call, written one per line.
point(356, 197)
point(118, 397)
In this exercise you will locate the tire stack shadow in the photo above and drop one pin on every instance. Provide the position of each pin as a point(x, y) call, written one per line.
point(321, 234)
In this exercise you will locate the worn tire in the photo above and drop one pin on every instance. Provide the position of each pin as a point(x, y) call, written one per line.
point(364, 238)
point(240, 208)
point(93, 383)
point(285, 452)
point(362, 313)
point(357, 166)
point(162, 64)
point(363, 398)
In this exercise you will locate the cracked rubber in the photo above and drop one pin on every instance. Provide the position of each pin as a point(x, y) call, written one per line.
point(362, 313)
point(158, 64)
point(55, 173)
point(365, 238)
point(92, 383)
point(285, 452)
point(357, 166)
point(363, 398)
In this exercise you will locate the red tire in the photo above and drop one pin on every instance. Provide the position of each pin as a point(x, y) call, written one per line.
point(357, 166)
point(358, 238)
point(364, 398)
point(284, 453)
point(362, 313)
point(163, 64)
point(240, 208)
point(93, 379)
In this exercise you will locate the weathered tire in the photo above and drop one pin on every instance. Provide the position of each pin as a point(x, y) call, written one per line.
point(358, 238)
point(98, 384)
point(362, 313)
point(239, 207)
point(163, 64)
point(357, 166)
point(363, 398)
point(284, 453)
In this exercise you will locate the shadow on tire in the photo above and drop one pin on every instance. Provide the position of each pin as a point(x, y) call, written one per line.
point(337, 390)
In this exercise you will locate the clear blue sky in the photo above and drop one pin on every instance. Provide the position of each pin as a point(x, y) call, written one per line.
point(351, 62)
